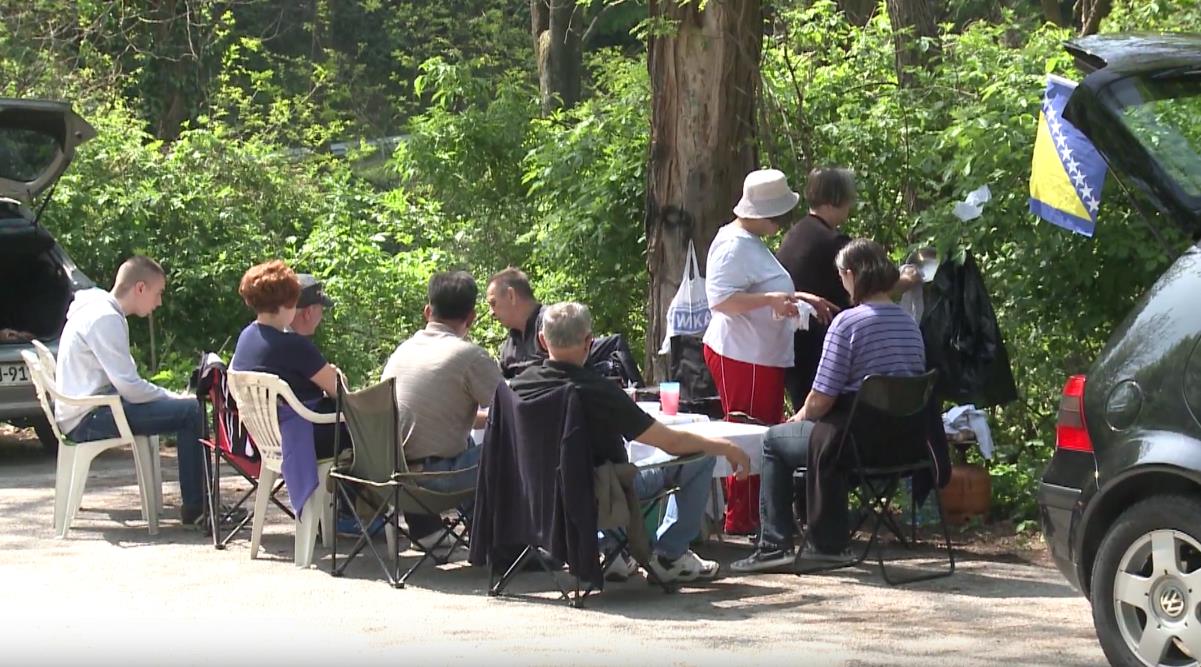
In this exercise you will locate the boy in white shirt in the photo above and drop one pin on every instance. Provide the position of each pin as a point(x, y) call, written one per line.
point(94, 359)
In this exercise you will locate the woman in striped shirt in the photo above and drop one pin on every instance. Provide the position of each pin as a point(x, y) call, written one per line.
point(876, 337)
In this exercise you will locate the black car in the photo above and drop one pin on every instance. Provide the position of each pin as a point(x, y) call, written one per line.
point(1120, 501)
point(37, 142)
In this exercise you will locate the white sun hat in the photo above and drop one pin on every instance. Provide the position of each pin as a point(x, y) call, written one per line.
point(765, 194)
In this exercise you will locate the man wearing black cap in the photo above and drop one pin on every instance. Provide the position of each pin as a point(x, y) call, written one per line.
point(311, 305)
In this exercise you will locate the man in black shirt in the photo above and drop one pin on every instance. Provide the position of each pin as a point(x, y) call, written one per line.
point(613, 418)
point(512, 302)
point(807, 253)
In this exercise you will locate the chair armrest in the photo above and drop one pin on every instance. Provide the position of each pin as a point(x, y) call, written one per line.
point(435, 474)
point(683, 460)
point(110, 401)
point(303, 410)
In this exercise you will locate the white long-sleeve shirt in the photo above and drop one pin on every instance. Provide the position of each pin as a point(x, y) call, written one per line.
point(94, 358)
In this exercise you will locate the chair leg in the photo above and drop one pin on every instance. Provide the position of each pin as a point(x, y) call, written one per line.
point(62, 484)
point(326, 505)
point(261, 496)
point(144, 465)
point(306, 530)
point(946, 534)
point(80, 466)
point(157, 462)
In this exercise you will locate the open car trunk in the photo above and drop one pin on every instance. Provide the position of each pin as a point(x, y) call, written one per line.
point(1140, 105)
point(37, 289)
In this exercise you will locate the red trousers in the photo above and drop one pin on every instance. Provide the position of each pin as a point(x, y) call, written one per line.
point(759, 392)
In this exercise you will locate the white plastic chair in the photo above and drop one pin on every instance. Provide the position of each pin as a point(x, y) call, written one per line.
point(49, 365)
point(258, 396)
point(75, 458)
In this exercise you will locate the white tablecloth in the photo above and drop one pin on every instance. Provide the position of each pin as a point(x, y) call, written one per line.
point(747, 437)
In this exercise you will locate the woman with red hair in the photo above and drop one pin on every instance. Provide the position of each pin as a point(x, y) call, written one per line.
point(267, 346)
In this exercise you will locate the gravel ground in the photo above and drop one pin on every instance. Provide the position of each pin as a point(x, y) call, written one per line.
point(112, 594)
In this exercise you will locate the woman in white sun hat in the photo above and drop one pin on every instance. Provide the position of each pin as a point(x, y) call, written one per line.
point(748, 344)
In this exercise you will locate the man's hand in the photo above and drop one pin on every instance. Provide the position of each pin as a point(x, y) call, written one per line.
point(740, 463)
point(798, 417)
point(825, 309)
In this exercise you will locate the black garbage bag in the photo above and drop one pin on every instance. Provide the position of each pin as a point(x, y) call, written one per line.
point(962, 338)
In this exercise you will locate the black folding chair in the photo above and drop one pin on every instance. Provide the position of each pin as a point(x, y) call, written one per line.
point(619, 544)
point(379, 476)
point(880, 460)
point(507, 407)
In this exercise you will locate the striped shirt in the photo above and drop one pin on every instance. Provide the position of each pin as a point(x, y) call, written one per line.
point(869, 339)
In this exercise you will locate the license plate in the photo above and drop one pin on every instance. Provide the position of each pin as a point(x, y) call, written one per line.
point(14, 374)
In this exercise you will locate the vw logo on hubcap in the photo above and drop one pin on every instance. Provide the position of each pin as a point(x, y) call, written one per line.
point(1171, 602)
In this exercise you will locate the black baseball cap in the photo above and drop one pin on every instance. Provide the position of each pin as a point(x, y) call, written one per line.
point(311, 292)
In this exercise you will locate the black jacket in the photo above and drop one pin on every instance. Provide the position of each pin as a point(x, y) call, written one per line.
point(535, 484)
point(963, 340)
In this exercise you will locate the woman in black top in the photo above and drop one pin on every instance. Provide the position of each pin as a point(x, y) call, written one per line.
point(807, 253)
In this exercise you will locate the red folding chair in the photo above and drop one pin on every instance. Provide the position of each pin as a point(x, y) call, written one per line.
point(227, 443)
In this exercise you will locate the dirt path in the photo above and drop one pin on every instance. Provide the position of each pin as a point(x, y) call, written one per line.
point(112, 594)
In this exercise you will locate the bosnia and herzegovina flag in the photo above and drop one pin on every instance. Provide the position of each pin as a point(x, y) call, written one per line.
point(1068, 173)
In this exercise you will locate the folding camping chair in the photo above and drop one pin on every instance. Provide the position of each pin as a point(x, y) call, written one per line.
point(227, 442)
point(880, 460)
point(379, 474)
point(507, 408)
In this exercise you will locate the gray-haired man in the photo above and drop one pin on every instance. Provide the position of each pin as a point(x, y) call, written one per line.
point(566, 334)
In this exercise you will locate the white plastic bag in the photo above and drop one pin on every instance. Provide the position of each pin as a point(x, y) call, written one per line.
point(688, 314)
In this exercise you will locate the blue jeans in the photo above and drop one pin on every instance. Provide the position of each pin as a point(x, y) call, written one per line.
point(421, 525)
point(180, 416)
point(785, 448)
point(685, 509)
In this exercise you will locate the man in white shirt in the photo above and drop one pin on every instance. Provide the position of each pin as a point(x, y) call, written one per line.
point(94, 359)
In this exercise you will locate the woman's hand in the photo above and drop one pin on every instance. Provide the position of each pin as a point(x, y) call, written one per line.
point(783, 304)
point(825, 309)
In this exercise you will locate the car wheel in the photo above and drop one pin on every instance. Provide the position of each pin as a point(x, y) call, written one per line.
point(46, 435)
point(1146, 584)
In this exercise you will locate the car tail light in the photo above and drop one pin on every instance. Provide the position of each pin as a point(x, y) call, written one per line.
point(1071, 432)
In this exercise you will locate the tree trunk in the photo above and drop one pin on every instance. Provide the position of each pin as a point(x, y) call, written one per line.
point(858, 12)
point(1092, 12)
point(912, 20)
point(170, 57)
point(556, 32)
point(1053, 12)
point(704, 78)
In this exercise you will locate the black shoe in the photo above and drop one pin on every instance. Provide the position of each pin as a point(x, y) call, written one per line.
point(198, 519)
point(232, 516)
point(193, 517)
point(813, 553)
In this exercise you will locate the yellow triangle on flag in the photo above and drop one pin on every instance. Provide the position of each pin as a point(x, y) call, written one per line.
point(1049, 180)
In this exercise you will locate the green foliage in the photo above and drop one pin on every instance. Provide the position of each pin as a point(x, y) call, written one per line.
point(480, 181)
point(968, 120)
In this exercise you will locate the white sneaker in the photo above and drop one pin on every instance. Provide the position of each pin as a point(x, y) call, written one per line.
point(689, 567)
point(622, 568)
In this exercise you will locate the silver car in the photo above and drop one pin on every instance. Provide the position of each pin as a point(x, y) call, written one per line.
point(37, 142)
